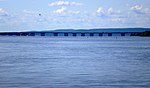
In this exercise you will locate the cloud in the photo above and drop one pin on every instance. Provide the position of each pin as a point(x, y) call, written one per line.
point(104, 13)
point(110, 15)
point(64, 3)
point(3, 13)
point(100, 11)
point(61, 10)
point(2, 10)
point(65, 12)
point(139, 9)
point(21, 21)
point(64, 16)
point(136, 7)
point(108, 12)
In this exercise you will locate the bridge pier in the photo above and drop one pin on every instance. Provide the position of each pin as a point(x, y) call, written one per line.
point(109, 34)
point(66, 34)
point(55, 34)
point(42, 34)
point(74, 34)
point(122, 34)
point(31, 34)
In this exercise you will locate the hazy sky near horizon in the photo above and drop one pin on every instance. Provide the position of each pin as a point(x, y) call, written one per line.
point(26, 15)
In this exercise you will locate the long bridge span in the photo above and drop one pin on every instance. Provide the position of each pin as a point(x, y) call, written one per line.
point(92, 34)
point(81, 32)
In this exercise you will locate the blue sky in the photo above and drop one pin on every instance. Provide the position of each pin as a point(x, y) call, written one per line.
point(26, 15)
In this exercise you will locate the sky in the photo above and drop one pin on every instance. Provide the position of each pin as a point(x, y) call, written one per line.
point(29, 15)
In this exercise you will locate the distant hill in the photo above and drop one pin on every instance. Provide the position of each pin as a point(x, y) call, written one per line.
point(100, 30)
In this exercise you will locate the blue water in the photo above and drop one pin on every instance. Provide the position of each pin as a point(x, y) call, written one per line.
point(75, 62)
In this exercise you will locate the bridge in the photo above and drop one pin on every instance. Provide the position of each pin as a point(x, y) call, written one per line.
point(81, 32)
point(74, 34)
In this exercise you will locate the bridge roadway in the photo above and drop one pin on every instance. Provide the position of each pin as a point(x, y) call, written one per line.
point(70, 34)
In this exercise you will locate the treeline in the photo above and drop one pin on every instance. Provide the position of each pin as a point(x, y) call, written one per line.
point(146, 33)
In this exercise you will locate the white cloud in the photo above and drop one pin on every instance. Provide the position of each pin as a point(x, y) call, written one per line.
point(2, 10)
point(110, 11)
point(65, 12)
point(136, 7)
point(100, 10)
point(64, 3)
point(107, 12)
point(110, 15)
point(139, 9)
point(61, 10)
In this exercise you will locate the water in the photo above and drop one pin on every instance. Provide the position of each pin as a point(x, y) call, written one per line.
point(53, 62)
